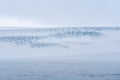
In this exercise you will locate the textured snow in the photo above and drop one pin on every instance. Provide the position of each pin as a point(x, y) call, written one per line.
point(60, 53)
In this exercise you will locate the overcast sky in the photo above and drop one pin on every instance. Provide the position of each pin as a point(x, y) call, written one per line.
point(45, 13)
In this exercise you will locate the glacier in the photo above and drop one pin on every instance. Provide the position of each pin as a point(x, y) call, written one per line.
point(64, 53)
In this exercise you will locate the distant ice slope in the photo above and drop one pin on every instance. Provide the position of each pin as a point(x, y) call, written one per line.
point(72, 41)
point(35, 37)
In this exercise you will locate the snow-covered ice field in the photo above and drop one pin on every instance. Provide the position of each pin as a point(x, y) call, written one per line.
point(89, 53)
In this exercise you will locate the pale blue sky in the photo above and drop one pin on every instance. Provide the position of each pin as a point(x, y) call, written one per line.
point(59, 13)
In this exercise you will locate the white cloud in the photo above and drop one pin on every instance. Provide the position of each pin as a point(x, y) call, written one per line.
point(6, 21)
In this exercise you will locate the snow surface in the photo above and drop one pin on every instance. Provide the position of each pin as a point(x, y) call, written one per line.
point(60, 53)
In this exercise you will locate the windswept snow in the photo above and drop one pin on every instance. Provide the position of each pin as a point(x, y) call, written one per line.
point(69, 53)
